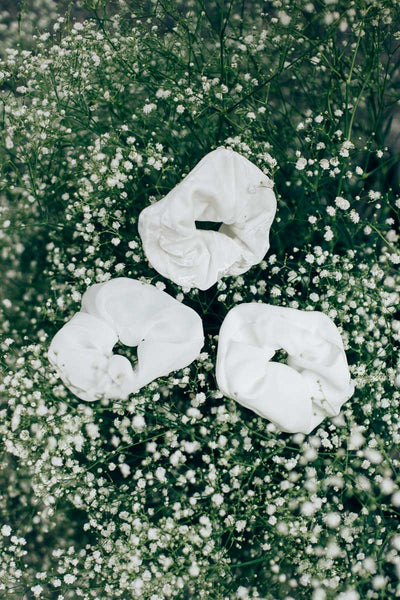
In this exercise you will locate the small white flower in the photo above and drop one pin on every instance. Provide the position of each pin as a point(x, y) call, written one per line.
point(92, 430)
point(396, 502)
point(342, 203)
point(354, 216)
point(138, 422)
point(324, 164)
point(348, 595)
point(194, 570)
point(240, 525)
point(308, 509)
point(284, 17)
point(37, 590)
point(148, 108)
point(275, 292)
point(319, 594)
point(301, 164)
point(160, 474)
point(333, 520)
point(6, 531)
point(125, 470)
point(387, 486)
point(217, 499)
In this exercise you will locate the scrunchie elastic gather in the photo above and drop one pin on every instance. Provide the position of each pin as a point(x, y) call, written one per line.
point(224, 187)
point(168, 336)
point(296, 396)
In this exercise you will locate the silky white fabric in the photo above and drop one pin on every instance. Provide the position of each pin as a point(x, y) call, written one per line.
point(168, 336)
point(223, 187)
point(397, 380)
point(296, 396)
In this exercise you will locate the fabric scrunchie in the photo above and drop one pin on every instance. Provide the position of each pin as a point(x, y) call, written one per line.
point(296, 396)
point(168, 336)
point(223, 187)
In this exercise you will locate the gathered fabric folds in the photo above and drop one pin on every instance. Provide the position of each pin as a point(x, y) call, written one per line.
point(226, 188)
point(296, 396)
point(168, 336)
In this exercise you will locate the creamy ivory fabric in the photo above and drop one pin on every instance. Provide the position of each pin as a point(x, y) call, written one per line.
point(168, 336)
point(223, 187)
point(296, 396)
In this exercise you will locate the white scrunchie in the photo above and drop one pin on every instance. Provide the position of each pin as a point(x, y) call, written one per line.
point(168, 336)
point(223, 187)
point(296, 396)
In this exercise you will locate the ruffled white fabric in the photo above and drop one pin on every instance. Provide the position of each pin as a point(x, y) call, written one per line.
point(223, 187)
point(168, 336)
point(296, 396)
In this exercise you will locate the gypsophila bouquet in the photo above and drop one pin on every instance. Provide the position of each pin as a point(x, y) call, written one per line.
point(199, 310)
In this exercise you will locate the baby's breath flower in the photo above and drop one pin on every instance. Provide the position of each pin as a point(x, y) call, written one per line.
point(342, 203)
point(301, 163)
